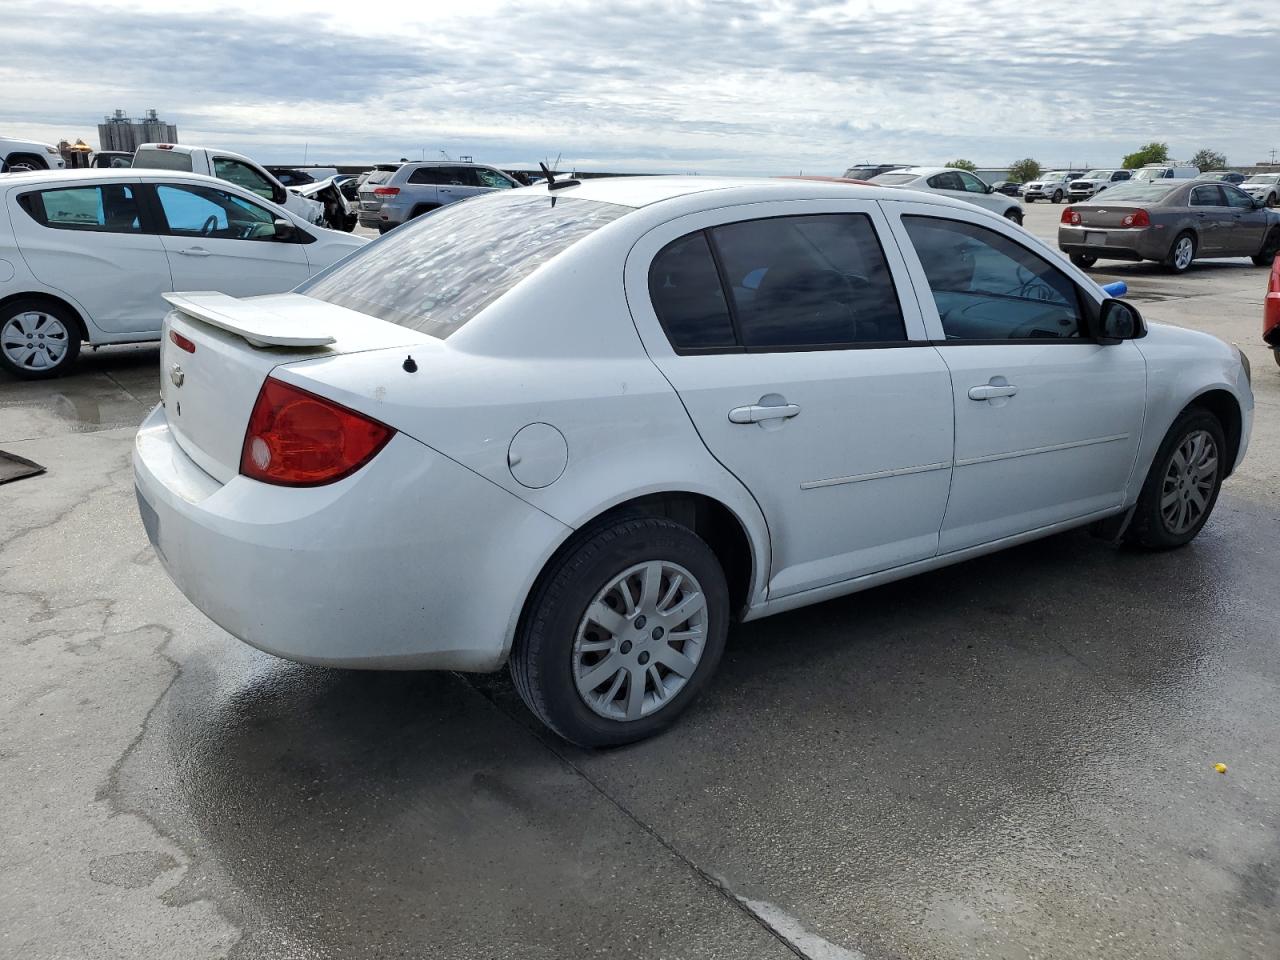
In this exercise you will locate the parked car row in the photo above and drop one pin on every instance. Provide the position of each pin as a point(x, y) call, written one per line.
point(394, 194)
point(87, 255)
point(950, 182)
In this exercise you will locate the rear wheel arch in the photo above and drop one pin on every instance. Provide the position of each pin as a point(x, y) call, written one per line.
point(718, 525)
point(72, 311)
point(422, 208)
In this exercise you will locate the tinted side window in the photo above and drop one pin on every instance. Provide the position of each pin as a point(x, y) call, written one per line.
point(193, 211)
point(243, 175)
point(987, 287)
point(1237, 199)
point(971, 183)
point(946, 181)
point(426, 175)
point(112, 208)
point(1207, 196)
point(687, 296)
point(1121, 175)
point(809, 281)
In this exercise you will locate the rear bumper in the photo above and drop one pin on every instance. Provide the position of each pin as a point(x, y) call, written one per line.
point(413, 562)
point(1121, 244)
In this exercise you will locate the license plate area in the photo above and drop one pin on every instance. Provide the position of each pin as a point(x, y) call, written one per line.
point(1095, 239)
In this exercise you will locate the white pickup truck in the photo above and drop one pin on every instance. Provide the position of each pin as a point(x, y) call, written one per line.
point(225, 165)
point(19, 155)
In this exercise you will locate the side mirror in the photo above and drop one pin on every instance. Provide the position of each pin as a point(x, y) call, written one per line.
point(286, 232)
point(279, 195)
point(1119, 320)
point(991, 189)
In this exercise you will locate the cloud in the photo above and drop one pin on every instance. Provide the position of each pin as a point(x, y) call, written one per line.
point(665, 86)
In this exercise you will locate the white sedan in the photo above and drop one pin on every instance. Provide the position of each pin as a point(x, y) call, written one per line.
point(951, 182)
point(584, 428)
point(87, 255)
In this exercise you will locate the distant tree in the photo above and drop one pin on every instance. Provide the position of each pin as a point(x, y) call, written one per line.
point(1153, 152)
point(963, 165)
point(1024, 171)
point(1207, 159)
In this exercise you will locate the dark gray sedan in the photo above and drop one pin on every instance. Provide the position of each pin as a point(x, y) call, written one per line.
point(1170, 222)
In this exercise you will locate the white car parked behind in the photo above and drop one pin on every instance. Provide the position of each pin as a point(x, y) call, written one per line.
point(583, 427)
point(950, 182)
point(18, 156)
point(225, 165)
point(87, 255)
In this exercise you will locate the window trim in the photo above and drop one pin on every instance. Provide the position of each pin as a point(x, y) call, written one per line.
point(1089, 310)
point(146, 223)
point(726, 290)
point(162, 221)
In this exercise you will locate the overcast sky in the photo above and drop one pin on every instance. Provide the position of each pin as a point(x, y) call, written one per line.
point(712, 86)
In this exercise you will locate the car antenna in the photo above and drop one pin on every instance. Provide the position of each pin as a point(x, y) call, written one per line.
point(546, 172)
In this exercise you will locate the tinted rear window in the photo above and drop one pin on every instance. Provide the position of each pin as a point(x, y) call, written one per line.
point(379, 176)
point(891, 179)
point(1138, 190)
point(162, 160)
point(437, 272)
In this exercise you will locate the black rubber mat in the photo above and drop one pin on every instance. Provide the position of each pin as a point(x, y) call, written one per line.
point(13, 467)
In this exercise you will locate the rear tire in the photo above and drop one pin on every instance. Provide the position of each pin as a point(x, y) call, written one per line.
point(1181, 253)
point(38, 339)
point(1183, 483)
point(1083, 261)
point(575, 670)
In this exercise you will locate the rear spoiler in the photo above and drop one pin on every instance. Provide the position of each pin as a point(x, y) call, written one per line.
point(258, 325)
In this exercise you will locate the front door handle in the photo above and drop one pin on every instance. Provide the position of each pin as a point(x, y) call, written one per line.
point(755, 413)
point(194, 252)
point(989, 390)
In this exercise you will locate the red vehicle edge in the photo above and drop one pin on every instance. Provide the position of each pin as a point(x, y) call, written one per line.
point(1271, 311)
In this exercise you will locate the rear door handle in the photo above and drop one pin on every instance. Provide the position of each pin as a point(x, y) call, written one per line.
point(988, 390)
point(755, 413)
point(194, 252)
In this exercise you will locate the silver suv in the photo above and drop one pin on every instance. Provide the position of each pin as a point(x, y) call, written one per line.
point(391, 195)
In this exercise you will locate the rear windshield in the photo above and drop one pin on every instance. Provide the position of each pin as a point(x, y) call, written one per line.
point(1145, 191)
point(379, 176)
point(1264, 178)
point(437, 272)
point(892, 179)
point(162, 160)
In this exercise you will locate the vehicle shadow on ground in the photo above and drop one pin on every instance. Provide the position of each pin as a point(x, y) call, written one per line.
point(996, 681)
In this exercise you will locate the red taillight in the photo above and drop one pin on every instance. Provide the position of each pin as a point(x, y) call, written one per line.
point(181, 342)
point(385, 191)
point(1138, 218)
point(1070, 216)
point(297, 439)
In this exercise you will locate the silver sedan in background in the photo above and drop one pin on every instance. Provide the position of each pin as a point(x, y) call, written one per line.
point(1172, 222)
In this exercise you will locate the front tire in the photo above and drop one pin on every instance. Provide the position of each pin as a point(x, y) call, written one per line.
point(22, 163)
point(1015, 216)
point(37, 339)
point(1183, 483)
point(1182, 253)
point(1270, 249)
point(1057, 196)
point(622, 632)
point(1083, 261)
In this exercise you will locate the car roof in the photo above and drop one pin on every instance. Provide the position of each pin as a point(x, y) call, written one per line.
point(106, 175)
point(639, 192)
point(439, 163)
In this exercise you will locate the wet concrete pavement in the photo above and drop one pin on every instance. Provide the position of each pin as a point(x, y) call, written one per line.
point(1011, 758)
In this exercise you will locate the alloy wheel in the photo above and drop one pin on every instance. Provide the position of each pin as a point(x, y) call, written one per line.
point(1183, 251)
point(640, 640)
point(34, 340)
point(1189, 481)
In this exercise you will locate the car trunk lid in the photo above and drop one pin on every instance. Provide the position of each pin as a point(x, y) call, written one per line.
point(216, 351)
point(1104, 214)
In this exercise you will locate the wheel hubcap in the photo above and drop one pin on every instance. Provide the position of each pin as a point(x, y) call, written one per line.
point(1182, 253)
point(34, 340)
point(640, 640)
point(1188, 482)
